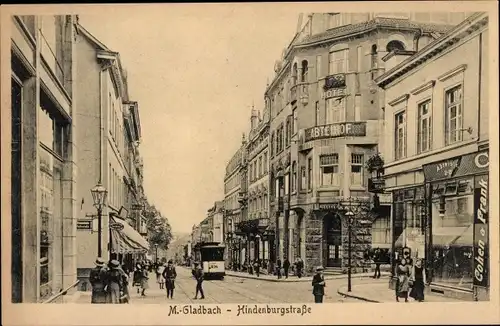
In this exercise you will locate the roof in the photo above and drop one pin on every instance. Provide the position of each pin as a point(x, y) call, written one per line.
point(454, 35)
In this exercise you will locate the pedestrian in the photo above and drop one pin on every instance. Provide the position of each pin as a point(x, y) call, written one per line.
point(144, 281)
point(159, 275)
point(278, 268)
point(98, 282)
point(169, 274)
point(300, 267)
point(318, 284)
point(256, 266)
point(286, 267)
point(114, 282)
point(403, 280)
point(419, 281)
point(377, 257)
point(198, 275)
point(137, 276)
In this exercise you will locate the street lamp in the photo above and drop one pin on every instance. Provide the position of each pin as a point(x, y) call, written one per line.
point(99, 194)
point(156, 252)
point(350, 221)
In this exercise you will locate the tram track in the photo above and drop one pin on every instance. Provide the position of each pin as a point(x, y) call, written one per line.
point(253, 299)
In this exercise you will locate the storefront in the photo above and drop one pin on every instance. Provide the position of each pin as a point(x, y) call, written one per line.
point(458, 241)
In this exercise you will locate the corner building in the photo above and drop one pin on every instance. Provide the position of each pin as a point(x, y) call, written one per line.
point(326, 121)
point(437, 157)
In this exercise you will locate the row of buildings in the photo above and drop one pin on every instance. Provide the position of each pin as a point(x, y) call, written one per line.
point(375, 121)
point(73, 143)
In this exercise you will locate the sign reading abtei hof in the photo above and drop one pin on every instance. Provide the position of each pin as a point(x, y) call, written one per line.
point(344, 129)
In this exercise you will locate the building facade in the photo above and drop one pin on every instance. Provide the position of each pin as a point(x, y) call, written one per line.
point(235, 205)
point(216, 213)
point(257, 221)
point(436, 156)
point(44, 119)
point(108, 155)
point(326, 122)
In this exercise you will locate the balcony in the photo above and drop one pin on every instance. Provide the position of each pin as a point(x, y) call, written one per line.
point(376, 185)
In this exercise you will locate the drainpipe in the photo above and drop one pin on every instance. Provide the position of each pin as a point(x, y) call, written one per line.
point(416, 39)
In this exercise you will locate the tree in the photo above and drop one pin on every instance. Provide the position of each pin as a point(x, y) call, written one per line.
point(159, 230)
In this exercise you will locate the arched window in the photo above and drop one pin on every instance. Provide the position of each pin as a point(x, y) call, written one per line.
point(374, 60)
point(294, 74)
point(303, 75)
point(395, 46)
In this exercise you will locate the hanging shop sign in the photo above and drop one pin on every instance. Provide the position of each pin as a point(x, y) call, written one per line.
point(84, 225)
point(344, 129)
point(473, 163)
point(116, 226)
point(481, 236)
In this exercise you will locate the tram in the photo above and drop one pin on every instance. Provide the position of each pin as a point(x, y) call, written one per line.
point(211, 257)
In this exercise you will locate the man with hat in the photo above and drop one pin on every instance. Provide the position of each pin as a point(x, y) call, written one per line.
point(169, 274)
point(318, 284)
point(198, 275)
point(98, 281)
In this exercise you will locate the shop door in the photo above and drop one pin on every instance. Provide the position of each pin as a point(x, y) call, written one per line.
point(333, 228)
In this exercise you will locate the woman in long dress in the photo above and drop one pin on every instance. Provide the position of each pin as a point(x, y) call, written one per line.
point(115, 281)
point(144, 281)
point(159, 277)
point(403, 282)
point(419, 280)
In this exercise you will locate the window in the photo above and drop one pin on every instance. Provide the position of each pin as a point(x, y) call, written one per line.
point(395, 46)
point(294, 176)
point(374, 60)
point(335, 110)
point(287, 131)
point(309, 173)
point(329, 165)
point(381, 231)
point(318, 118)
point(304, 72)
point(318, 67)
point(255, 170)
point(453, 112)
point(260, 166)
point(337, 62)
point(359, 55)
point(357, 108)
point(294, 74)
point(424, 139)
point(303, 179)
point(400, 137)
point(272, 144)
point(357, 162)
point(294, 121)
point(265, 162)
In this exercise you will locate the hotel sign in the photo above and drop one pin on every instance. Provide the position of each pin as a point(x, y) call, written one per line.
point(344, 129)
point(335, 92)
point(481, 221)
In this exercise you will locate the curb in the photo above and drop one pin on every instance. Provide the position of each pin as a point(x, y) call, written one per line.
point(295, 280)
point(348, 295)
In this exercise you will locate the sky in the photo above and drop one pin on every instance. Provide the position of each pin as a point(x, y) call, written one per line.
point(195, 72)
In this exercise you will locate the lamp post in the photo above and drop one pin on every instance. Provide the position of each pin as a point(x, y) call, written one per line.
point(99, 194)
point(156, 252)
point(350, 220)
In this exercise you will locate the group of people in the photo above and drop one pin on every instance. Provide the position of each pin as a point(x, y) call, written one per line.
point(284, 270)
point(109, 282)
point(410, 280)
point(165, 276)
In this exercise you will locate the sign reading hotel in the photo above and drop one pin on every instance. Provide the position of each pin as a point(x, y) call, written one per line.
point(344, 129)
point(334, 92)
point(481, 243)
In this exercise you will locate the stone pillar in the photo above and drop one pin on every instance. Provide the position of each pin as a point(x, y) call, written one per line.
point(360, 241)
point(313, 238)
point(30, 201)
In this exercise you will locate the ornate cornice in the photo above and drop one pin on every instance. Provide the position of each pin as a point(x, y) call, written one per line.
point(422, 88)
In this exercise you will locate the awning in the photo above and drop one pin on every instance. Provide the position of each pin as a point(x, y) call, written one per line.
point(452, 236)
point(127, 240)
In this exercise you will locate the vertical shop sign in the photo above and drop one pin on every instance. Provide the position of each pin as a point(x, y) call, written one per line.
point(481, 250)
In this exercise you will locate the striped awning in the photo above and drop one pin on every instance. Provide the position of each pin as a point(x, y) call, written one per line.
point(127, 240)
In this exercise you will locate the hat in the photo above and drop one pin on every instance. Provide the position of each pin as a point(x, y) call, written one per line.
point(319, 268)
point(99, 262)
point(170, 261)
point(114, 264)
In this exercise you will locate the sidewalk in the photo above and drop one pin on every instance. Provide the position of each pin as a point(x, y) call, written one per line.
point(379, 293)
point(274, 278)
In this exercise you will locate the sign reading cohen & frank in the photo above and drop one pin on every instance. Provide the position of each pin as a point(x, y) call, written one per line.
point(481, 243)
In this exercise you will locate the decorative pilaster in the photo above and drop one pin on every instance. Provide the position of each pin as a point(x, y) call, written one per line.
point(313, 239)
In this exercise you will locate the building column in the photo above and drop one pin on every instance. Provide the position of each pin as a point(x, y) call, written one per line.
point(313, 239)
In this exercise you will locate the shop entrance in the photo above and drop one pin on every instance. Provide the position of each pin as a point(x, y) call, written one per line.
point(332, 254)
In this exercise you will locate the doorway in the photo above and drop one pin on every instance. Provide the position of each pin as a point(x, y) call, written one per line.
point(332, 226)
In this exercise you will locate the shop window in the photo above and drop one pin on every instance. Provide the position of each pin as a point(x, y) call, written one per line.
point(424, 139)
point(453, 115)
point(329, 165)
point(400, 135)
point(381, 231)
point(357, 162)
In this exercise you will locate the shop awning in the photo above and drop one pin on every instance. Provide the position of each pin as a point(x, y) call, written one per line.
point(452, 236)
point(127, 240)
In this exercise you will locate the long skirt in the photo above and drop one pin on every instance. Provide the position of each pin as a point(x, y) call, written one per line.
point(170, 284)
point(159, 279)
point(417, 291)
point(144, 283)
point(402, 286)
point(114, 293)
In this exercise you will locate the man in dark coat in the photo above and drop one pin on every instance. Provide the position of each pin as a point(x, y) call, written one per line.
point(318, 284)
point(278, 268)
point(169, 274)
point(198, 275)
point(286, 267)
point(98, 282)
point(377, 257)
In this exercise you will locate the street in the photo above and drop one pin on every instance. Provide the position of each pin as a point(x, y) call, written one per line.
point(235, 290)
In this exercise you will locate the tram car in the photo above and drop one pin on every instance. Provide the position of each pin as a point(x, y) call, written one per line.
point(211, 257)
